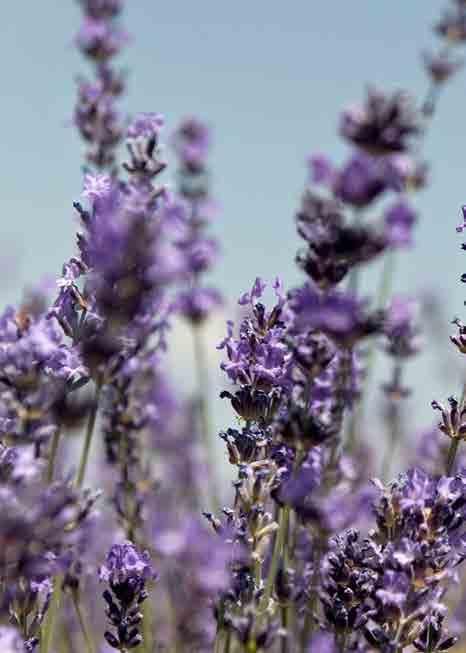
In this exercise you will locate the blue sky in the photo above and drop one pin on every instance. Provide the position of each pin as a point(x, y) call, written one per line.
point(271, 78)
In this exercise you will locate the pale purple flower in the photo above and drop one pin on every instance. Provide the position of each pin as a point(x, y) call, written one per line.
point(400, 219)
point(99, 39)
point(191, 142)
point(383, 125)
point(97, 186)
point(146, 125)
point(124, 562)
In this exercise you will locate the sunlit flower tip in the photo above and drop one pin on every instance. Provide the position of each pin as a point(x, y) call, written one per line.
point(383, 125)
point(400, 219)
point(102, 8)
point(192, 142)
point(124, 561)
point(254, 294)
point(441, 66)
point(96, 186)
point(146, 125)
point(321, 169)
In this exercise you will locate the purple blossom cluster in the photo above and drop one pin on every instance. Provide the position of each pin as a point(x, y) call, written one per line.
point(316, 545)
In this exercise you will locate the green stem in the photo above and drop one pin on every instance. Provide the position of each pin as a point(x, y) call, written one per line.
point(452, 455)
point(204, 416)
point(395, 424)
point(53, 454)
point(277, 551)
point(51, 617)
point(218, 644)
point(89, 434)
point(227, 642)
point(455, 442)
point(258, 572)
point(386, 281)
point(285, 625)
point(309, 621)
point(385, 286)
point(82, 622)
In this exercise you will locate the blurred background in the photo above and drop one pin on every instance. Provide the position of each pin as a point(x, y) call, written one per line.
point(271, 79)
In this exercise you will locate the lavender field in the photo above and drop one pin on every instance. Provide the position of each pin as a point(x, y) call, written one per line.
point(312, 500)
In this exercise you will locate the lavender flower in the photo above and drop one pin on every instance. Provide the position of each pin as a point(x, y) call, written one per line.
point(258, 359)
point(192, 143)
point(400, 328)
point(358, 183)
point(383, 125)
point(100, 39)
point(126, 571)
point(341, 316)
point(399, 222)
point(333, 247)
point(441, 66)
point(10, 640)
point(452, 25)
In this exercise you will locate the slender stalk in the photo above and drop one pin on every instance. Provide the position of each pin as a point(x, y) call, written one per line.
point(219, 638)
point(454, 444)
point(89, 433)
point(354, 275)
point(147, 633)
point(452, 455)
point(49, 623)
point(53, 454)
point(309, 621)
point(284, 617)
point(383, 293)
point(277, 551)
point(258, 571)
point(386, 281)
point(200, 356)
point(227, 648)
point(82, 622)
point(395, 423)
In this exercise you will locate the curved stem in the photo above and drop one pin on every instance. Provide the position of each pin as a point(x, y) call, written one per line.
point(88, 438)
point(48, 627)
point(82, 622)
point(385, 286)
point(53, 454)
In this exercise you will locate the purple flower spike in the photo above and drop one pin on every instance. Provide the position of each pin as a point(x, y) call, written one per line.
point(126, 570)
point(192, 143)
point(322, 171)
point(146, 125)
point(339, 315)
point(254, 294)
point(97, 186)
point(400, 219)
point(383, 125)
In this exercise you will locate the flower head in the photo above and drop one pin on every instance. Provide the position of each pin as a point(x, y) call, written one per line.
point(400, 219)
point(383, 125)
point(124, 562)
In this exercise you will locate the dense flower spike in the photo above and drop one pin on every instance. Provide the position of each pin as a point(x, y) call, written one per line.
point(100, 39)
point(258, 360)
point(192, 143)
point(126, 571)
point(383, 125)
point(399, 222)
